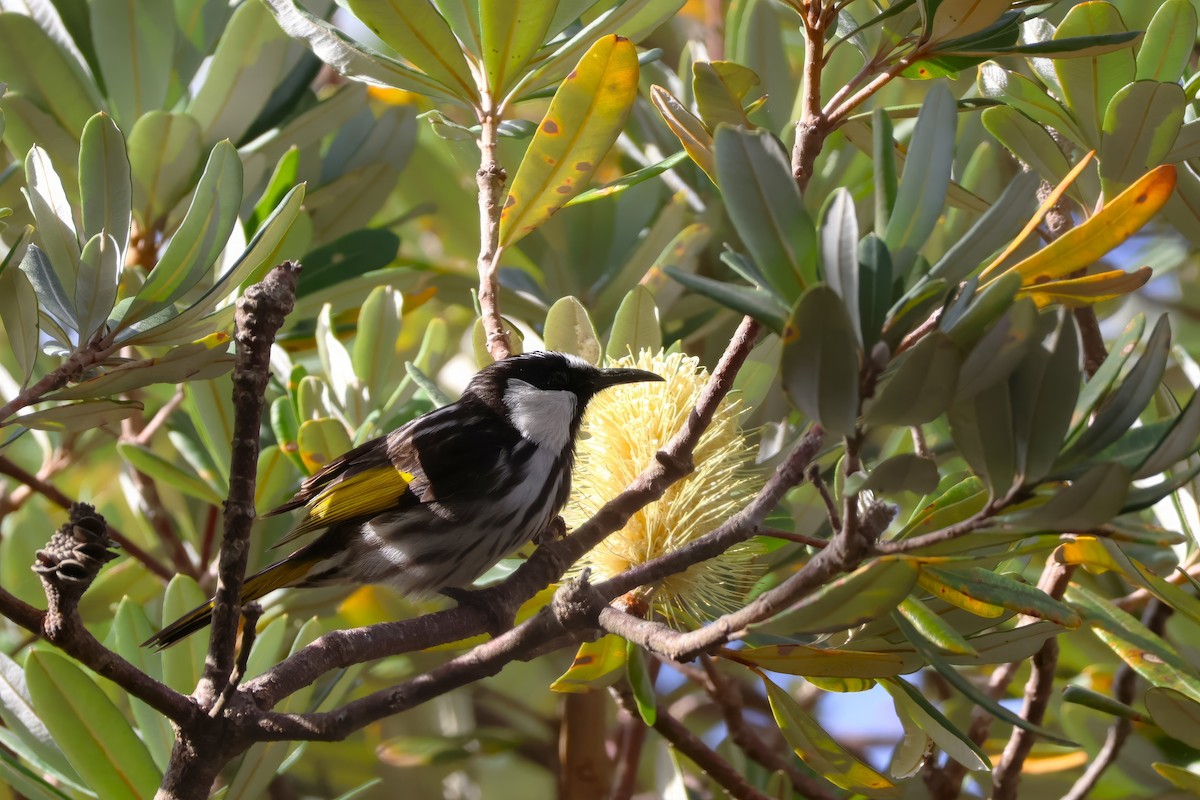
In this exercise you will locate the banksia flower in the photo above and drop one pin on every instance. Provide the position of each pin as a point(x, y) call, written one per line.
point(622, 430)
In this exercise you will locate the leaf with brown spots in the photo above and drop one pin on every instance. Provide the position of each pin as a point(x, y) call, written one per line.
point(584, 119)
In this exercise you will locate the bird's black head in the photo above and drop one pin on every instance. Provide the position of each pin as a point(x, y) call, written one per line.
point(543, 394)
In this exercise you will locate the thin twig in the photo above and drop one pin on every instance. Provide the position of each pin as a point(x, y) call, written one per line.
point(160, 418)
point(691, 746)
point(490, 181)
point(251, 612)
point(814, 477)
point(798, 538)
point(1006, 777)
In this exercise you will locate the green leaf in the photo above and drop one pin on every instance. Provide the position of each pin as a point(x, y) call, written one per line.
point(19, 316)
point(183, 663)
point(1106, 375)
point(584, 119)
point(1168, 43)
point(93, 734)
point(195, 361)
point(260, 254)
point(635, 327)
point(251, 59)
point(569, 329)
point(904, 472)
point(1135, 644)
point(1140, 126)
point(53, 216)
point(104, 181)
point(973, 313)
point(422, 36)
point(982, 427)
point(348, 256)
point(618, 186)
point(920, 387)
point(1099, 702)
point(321, 441)
point(1030, 99)
point(998, 589)
point(720, 88)
point(974, 693)
point(876, 284)
point(953, 742)
point(1088, 502)
point(31, 785)
point(376, 342)
point(1001, 351)
point(1182, 778)
point(33, 740)
point(1044, 389)
point(79, 416)
point(869, 592)
point(760, 372)
point(164, 155)
point(641, 683)
point(1129, 400)
point(821, 361)
point(1176, 713)
point(758, 303)
point(146, 460)
point(351, 58)
point(633, 21)
point(52, 297)
point(1089, 83)
point(512, 31)
point(1180, 442)
point(130, 628)
point(820, 662)
point(934, 628)
point(200, 238)
point(819, 750)
point(1031, 143)
point(96, 284)
point(37, 68)
point(135, 48)
point(839, 251)
point(883, 153)
point(764, 203)
point(926, 178)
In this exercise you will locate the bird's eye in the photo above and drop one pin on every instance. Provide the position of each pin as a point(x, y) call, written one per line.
point(557, 380)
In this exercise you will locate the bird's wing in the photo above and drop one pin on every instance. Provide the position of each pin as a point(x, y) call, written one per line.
point(365, 481)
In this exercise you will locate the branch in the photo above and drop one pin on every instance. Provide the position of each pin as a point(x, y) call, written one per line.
point(1038, 691)
point(490, 182)
point(691, 746)
point(260, 313)
point(70, 370)
point(51, 493)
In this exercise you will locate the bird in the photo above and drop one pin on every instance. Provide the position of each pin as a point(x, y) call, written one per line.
point(434, 504)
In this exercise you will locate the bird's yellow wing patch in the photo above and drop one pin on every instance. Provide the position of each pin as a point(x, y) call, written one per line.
point(371, 491)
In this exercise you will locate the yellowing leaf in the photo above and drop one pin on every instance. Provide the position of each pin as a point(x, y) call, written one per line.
point(586, 115)
point(696, 140)
point(1108, 228)
point(1047, 204)
point(1088, 290)
point(956, 596)
point(597, 664)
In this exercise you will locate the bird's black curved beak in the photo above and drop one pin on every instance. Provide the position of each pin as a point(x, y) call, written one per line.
point(615, 377)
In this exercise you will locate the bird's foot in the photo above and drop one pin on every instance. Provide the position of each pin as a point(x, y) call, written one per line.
point(498, 610)
point(557, 529)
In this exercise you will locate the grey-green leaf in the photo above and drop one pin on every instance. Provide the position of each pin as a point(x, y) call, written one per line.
point(920, 388)
point(635, 326)
point(135, 48)
point(104, 181)
point(821, 360)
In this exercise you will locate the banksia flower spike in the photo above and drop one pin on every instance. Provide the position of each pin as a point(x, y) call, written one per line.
point(622, 430)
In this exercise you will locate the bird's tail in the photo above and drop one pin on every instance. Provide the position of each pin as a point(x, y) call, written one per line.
point(286, 572)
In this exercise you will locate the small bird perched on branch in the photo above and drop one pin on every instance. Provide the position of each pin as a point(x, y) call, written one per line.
point(436, 503)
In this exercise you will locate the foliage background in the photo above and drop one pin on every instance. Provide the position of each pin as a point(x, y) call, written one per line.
point(386, 226)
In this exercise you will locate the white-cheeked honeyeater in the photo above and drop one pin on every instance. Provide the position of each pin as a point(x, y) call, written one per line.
point(439, 501)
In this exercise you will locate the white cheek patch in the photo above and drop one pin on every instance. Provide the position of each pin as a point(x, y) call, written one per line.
point(542, 416)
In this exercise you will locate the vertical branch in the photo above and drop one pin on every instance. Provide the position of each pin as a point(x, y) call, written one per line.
point(260, 313)
point(810, 128)
point(490, 181)
point(585, 771)
point(1038, 691)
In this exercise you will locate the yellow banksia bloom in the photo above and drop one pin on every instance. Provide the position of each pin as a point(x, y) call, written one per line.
point(622, 430)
